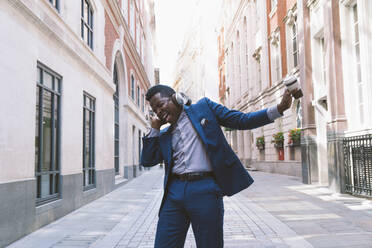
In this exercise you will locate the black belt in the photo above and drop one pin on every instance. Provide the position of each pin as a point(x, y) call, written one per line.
point(193, 176)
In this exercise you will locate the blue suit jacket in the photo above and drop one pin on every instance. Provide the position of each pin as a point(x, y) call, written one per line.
point(229, 172)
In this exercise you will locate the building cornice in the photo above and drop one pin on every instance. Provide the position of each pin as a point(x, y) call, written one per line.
point(65, 37)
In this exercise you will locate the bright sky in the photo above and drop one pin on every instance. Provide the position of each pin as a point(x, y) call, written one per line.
point(172, 18)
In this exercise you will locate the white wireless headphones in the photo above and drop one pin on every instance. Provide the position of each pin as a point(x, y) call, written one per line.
point(181, 99)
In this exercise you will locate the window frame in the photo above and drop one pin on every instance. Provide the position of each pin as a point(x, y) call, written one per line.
point(91, 164)
point(84, 25)
point(55, 4)
point(55, 142)
point(138, 96)
point(132, 85)
point(116, 121)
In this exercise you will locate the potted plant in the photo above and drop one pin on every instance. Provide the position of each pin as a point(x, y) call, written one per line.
point(294, 136)
point(278, 140)
point(260, 142)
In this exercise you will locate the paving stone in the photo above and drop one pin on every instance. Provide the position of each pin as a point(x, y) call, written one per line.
point(275, 212)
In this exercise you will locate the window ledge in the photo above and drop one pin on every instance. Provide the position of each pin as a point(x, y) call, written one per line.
point(89, 192)
point(48, 206)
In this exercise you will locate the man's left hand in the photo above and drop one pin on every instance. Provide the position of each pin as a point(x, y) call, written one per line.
point(286, 102)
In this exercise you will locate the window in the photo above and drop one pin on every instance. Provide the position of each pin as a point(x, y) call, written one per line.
point(116, 121)
point(275, 62)
point(324, 62)
point(138, 96)
point(87, 23)
point(132, 86)
point(143, 48)
point(294, 43)
point(132, 18)
point(358, 71)
point(55, 3)
point(138, 35)
point(125, 9)
point(89, 175)
point(139, 145)
point(47, 135)
point(133, 144)
point(143, 102)
point(259, 75)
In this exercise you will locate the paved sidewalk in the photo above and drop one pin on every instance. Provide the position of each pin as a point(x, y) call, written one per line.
point(276, 211)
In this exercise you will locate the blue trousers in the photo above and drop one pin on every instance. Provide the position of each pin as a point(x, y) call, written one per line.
point(197, 202)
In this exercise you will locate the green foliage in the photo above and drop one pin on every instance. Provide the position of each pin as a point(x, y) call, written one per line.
point(278, 138)
point(260, 142)
point(294, 134)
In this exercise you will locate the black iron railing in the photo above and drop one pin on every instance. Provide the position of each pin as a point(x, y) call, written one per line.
point(358, 165)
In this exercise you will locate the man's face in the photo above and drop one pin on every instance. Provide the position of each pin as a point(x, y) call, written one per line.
point(164, 108)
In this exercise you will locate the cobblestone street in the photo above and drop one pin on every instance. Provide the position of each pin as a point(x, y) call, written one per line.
point(277, 211)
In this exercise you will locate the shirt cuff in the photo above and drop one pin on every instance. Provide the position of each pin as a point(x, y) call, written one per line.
point(153, 133)
point(273, 113)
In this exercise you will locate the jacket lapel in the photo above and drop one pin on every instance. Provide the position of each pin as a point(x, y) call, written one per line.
point(195, 122)
point(167, 141)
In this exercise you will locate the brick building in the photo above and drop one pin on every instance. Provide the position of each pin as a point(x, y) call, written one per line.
point(76, 73)
point(254, 57)
point(325, 44)
point(335, 37)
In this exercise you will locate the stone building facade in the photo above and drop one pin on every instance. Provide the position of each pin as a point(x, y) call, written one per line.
point(254, 57)
point(324, 43)
point(74, 78)
point(334, 69)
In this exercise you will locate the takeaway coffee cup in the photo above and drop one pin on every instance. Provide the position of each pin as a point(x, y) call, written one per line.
point(291, 83)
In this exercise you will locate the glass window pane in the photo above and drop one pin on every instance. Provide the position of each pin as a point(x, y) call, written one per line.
point(45, 186)
point(82, 30)
point(359, 73)
point(86, 178)
point(116, 147)
point(360, 91)
point(91, 19)
point(116, 115)
point(87, 139)
point(355, 13)
point(86, 33)
point(48, 80)
point(56, 183)
point(357, 53)
point(356, 31)
point(47, 130)
point(38, 80)
point(37, 129)
point(116, 164)
point(55, 130)
point(85, 14)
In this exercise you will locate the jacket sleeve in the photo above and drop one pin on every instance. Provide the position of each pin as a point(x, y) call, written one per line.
point(151, 154)
point(236, 119)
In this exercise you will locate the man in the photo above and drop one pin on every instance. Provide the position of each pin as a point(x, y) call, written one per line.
point(200, 166)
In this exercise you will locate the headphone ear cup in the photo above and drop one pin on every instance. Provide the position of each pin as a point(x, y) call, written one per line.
point(175, 99)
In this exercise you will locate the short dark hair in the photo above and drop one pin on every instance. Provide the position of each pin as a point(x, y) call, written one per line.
point(164, 90)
